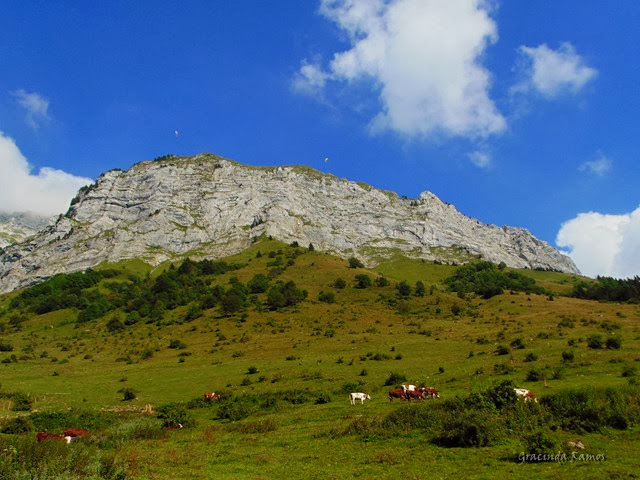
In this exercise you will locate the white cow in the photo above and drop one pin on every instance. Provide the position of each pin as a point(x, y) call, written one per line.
point(358, 396)
point(527, 395)
point(408, 388)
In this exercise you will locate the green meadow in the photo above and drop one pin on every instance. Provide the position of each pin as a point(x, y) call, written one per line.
point(130, 356)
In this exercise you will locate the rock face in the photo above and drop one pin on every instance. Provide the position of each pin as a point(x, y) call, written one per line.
point(207, 206)
point(17, 227)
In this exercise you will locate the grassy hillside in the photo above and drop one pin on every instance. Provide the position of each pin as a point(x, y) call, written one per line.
point(285, 373)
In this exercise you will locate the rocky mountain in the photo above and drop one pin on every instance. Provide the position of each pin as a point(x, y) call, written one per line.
point(207, 206)
point(17, 227)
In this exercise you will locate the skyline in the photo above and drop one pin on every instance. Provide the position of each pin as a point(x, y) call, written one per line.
point(518, 115)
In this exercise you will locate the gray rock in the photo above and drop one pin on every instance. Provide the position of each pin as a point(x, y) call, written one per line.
point(209, 207)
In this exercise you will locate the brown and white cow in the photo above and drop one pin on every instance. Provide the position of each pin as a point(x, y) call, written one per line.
point(397, 394)
point(414, 395)
point(41, 436)
point(408, 388)
point(211, 396)
point(525, 394)
point(429, 392)
point(76, 432)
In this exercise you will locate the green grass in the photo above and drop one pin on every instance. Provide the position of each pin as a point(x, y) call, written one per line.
point(321, 347)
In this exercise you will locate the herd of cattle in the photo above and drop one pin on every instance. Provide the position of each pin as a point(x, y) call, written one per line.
point(408, 392)
point(411, 392)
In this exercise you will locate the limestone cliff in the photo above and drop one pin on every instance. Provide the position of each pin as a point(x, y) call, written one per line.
point(207, 206)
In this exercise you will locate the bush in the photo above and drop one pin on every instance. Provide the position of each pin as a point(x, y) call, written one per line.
point(614, 343)
point(252, 370)
point(395, 379)
point(518, 344)
point(568, 356)
point(18, 425)
point(540, 442)
point(177, 344)
point(339, 284)
point(21, 402)
point(355, 263)
point(127, 394)
point(404, 290)
point(327, 297)
point(381, 282)
point(6, 347)
point(502, 350)
point(534, 375)
point(362, 281)
point(595, 341)
point(468, 429)
point(531, 357)
point(173, 414)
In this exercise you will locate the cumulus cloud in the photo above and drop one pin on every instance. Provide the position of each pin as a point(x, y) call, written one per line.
point(424, 58)
point(47, 193)
point(599, 167)
point(480, 159)
point(600, 244)
point(554, 72)
point(35, 105)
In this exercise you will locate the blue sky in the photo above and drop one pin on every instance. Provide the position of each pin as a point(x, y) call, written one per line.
point(519, 113)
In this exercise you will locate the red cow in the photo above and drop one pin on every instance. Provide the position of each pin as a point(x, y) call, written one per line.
point(210, 396)
point(414, 394)
point(397, 394)
point(41, 436)
point(76, 432)
point(430, 392)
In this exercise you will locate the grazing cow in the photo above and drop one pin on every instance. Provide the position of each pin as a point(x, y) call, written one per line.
point(408, 388)
point(414, 394)
point(397, 394)
point(527, 395)
point(75, 432)
point(41, 436)
point(358, 396)
point(210, 396)
point(429, 392)
point(173, 427)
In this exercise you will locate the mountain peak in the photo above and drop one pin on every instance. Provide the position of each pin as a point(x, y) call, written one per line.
point(207, 206)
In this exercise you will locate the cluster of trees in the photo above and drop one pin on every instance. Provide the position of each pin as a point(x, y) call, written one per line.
point(610, 289)
point(189, 284)
point(488, 279)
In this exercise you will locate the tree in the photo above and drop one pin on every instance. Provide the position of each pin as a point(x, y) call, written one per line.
point(381, 281)
point(259, 283)
point(339, 283)
point(404, 290)
point(355, 263)
point(420, 290)
point(363, 281)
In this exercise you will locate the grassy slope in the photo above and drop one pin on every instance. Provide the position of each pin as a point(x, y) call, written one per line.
point(330, 344)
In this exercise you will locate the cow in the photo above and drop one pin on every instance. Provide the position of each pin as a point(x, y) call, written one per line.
point(358, 396)
point(173, 427)
point(527, 395)
point(414, 394)
point(76, 432)
point(210, 396)
point(408, 388)
point(41, 436)
point(397, 394)
point(429, 392)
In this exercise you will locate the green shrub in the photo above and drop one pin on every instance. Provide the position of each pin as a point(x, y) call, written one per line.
point(175, 414)
point(355, 263)
point(595, 341)
point(339, 283)
point(327, 297)
point(362, 281)
point(541, 442)
point(468, 429)
point(17, 425)
point(127, 394)
point(395, 379)
point(531, 357)
point(534, 375)
point(21, 402)
point(614, 343)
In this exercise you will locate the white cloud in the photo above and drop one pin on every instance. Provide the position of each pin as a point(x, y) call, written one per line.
point(480, 159)
point(424, 57)
point(35, 106)
point(47, 193)
point(600, 166)
point(554, 72)
point(601, 244)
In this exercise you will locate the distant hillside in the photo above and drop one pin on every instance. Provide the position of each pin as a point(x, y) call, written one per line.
point(208, 207)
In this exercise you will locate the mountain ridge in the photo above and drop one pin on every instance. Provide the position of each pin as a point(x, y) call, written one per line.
point(153, 212)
